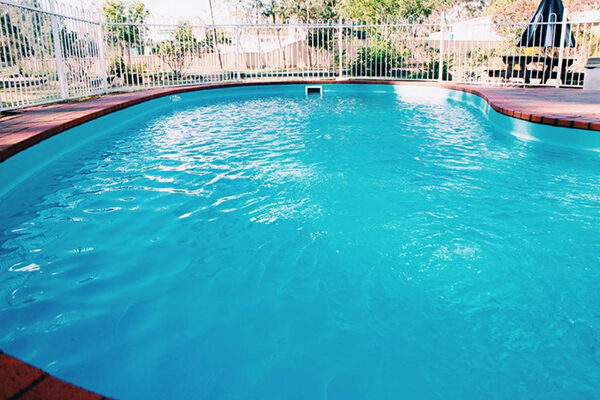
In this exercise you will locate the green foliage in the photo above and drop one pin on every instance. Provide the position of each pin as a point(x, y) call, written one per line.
point(178, 51)
point(24, 34)
point(431, 71)
point(386, 61)
point(382, 9)
point(376, 61)
point(309, 10)
point(117, 67)
point(321, 39)
point(208, 43)
point(284, 10)
point(273, 10)
point(73, 46)
point(130, 75)
point(183, 37)
point(521, 10)
point(12, 50)
point(126, 28)
point(415, 8)
point(130, 18)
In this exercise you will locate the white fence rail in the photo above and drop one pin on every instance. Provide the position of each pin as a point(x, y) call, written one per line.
point(51, 52)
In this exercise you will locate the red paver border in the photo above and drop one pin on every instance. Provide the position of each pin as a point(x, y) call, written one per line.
point(536, 118)
point(12, 142)
point(19, 380)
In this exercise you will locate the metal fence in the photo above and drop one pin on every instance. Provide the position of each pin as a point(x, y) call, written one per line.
point(50, 52)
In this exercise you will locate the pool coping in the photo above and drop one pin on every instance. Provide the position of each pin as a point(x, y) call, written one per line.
point(19, 380)
point(24, 130)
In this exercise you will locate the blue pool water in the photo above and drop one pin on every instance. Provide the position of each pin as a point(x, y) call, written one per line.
point(252, 243)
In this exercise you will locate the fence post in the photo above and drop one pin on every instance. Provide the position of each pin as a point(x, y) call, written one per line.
point(340, 58)
point(101, 54)
point(563, 32)
point(60, 67)
point(237, 52)
point(441, 61)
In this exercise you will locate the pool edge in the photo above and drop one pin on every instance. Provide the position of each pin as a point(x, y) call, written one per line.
point(20, 380)
point(13, 142)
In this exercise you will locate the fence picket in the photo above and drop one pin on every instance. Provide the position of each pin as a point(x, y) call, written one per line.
point(78, 55)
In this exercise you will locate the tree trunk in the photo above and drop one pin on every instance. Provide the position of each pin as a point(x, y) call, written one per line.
point(279, 41)
point(260, 59)
point(215, 38)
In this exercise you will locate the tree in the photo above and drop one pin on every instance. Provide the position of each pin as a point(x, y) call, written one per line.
point(273, 11)
point(368, 9)
point(520, 10)
point(24, 34)
point(126, 25)
point(415, 8)
point(511, 10)
point(310, 10)
point(178, 52)
point(250, 11)
point(374, 61)
point(384, 9)
point(72, 45)
point(214, 30)
point(38, 28)
point(14, 44)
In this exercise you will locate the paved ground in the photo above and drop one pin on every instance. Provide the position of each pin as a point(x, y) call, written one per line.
point(24, 382)
point(564, 107)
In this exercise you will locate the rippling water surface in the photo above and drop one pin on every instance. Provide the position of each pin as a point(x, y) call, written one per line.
point(362, 245)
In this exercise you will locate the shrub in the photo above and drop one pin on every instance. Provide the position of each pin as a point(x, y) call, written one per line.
point(130, 75)
point(432, 69)
point(376, 61)
point(117, 67)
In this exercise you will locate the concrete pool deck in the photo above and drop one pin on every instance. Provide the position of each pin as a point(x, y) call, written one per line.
point(573, 108)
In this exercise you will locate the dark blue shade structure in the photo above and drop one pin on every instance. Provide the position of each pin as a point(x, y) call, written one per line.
point(544, 27)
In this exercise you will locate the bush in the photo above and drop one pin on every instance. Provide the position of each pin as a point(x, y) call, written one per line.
point(130, 75)
point(117, 67)
point(432, 69)
point(376, 61)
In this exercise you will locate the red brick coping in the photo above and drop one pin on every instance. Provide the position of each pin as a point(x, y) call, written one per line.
point(21, 381)
point(571, 108)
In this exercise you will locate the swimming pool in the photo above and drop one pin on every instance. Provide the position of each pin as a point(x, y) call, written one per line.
point(378, 242)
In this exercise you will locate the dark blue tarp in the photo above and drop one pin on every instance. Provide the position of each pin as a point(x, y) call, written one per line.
point(545, 27)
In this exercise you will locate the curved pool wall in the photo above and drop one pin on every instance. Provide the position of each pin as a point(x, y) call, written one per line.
point(22, 165)
point(579, 139)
